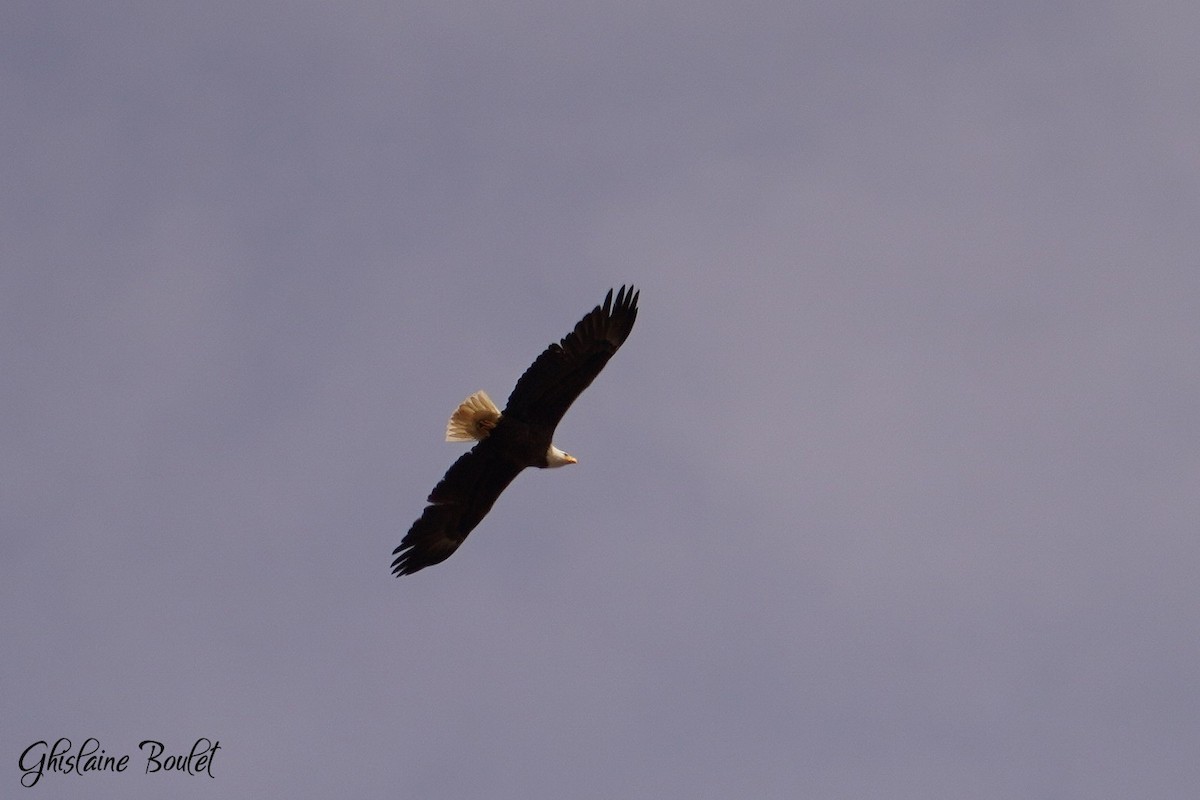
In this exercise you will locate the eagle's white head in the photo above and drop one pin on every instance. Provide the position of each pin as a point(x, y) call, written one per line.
point(557, 458)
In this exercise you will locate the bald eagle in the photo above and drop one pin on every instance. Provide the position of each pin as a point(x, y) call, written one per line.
point(520, 436)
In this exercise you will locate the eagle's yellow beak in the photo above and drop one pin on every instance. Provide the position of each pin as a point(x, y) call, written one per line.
point(571, 459)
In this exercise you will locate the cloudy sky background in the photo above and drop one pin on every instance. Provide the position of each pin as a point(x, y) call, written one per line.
point(893, 491)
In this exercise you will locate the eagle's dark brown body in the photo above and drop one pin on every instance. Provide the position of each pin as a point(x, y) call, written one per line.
point(519, 442)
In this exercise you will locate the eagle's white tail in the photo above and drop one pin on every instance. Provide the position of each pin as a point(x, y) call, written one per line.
point(473, 419)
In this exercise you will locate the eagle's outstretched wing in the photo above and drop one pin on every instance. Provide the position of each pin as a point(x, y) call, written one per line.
point(456, 505)
point(564, 370)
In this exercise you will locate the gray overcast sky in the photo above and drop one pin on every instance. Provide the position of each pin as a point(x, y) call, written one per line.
point(892, 493)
